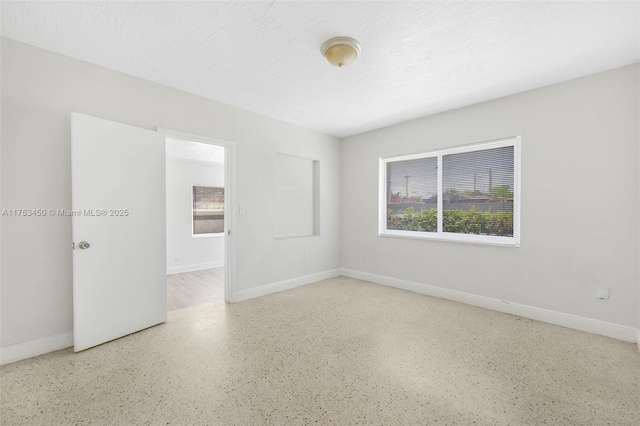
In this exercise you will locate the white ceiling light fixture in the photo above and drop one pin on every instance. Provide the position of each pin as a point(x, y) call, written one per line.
point(341, 51)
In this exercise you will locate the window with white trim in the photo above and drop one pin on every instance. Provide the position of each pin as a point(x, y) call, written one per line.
point(208, 210)
point(469, 194)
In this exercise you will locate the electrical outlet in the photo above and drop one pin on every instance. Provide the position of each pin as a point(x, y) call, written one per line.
point(242, 209)
point(176, 260)
point(306, 255)
point(602, 292)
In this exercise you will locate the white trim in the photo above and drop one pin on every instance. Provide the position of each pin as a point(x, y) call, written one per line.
point(194, 267)
point(468, 147)
point(517, 189)
point(229, 202)
point(60, 341)
point(616, 331)
point(283, 285)
point(36, 347)
point(383, 195)
point(452, 238)
point(440, 203)
point(216, 235)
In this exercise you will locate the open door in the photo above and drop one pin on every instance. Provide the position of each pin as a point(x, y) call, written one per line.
point(119, 231)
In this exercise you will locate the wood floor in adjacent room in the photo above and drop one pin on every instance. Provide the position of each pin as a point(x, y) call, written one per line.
point(190, 289)
point(340, 351)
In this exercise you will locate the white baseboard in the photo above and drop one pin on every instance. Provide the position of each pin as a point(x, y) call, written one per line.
point(45, 345)
point(283, 285)
point(36, 347)
point(621, 332)
point(194, 267)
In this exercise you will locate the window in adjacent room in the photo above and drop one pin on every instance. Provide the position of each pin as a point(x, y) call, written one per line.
point(469, 193)
point(208, 210)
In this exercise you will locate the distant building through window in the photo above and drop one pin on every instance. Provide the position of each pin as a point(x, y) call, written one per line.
point(468, 193)
point(208, 210)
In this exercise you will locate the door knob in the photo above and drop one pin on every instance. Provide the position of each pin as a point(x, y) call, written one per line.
point(84, 245)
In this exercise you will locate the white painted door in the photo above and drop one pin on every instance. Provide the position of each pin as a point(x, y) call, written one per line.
point(118, 200)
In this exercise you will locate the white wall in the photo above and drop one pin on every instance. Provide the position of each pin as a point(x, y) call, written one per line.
point(294, 201)
point(40, 89)
point(580, 154)
point(184, 251)
point(579, 200)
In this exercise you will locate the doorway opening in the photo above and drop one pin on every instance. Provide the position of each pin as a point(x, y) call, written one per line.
point(198, 183)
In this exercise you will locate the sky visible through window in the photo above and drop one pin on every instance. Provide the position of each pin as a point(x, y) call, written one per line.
point(414, 178)
point(479, 172)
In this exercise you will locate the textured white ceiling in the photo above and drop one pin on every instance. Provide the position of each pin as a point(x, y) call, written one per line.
point(418, 58)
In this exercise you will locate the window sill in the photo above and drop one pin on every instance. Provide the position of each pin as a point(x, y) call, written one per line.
point(216, 235)
point(454, 238)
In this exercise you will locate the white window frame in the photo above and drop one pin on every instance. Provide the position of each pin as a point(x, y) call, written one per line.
point(513, 241)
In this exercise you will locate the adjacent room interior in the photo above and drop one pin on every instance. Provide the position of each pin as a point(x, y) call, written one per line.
point(195, 223)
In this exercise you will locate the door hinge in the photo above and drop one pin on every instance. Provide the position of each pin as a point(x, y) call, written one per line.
point(73, 245)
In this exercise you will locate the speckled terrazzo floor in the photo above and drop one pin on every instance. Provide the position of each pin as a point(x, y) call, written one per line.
point(340, 351)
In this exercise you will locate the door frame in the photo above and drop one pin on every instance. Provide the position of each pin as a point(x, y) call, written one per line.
point(229, 202)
